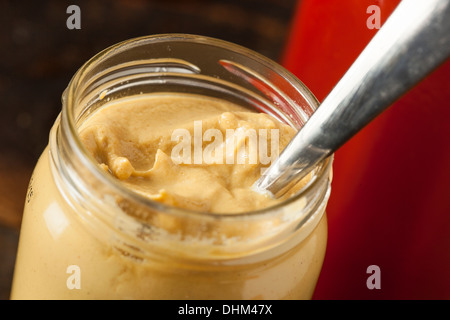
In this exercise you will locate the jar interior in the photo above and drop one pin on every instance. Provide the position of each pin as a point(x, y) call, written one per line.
point(222, 71)
point(194, 65)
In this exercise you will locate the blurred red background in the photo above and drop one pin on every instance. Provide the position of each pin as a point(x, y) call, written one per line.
point(390, 193)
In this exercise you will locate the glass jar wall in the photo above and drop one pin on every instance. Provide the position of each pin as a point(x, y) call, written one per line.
point(83, 236)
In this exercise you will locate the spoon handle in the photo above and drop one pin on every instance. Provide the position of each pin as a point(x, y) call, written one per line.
point(413, 42)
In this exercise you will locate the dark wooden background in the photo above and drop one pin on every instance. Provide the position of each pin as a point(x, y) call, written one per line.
point(39, 55)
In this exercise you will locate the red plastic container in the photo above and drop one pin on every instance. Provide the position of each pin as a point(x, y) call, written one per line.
point(390, 202)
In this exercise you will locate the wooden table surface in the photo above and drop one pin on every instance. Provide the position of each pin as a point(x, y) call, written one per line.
point(40, 54)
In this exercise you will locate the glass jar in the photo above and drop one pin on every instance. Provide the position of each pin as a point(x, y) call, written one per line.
point(78, 240)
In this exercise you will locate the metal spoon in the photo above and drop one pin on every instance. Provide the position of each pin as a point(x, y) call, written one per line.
point(412, 42)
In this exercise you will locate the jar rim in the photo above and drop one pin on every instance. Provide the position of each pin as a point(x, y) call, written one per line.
point(68, 120)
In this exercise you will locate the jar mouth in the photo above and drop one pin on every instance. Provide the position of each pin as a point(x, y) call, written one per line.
point(68, 120)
